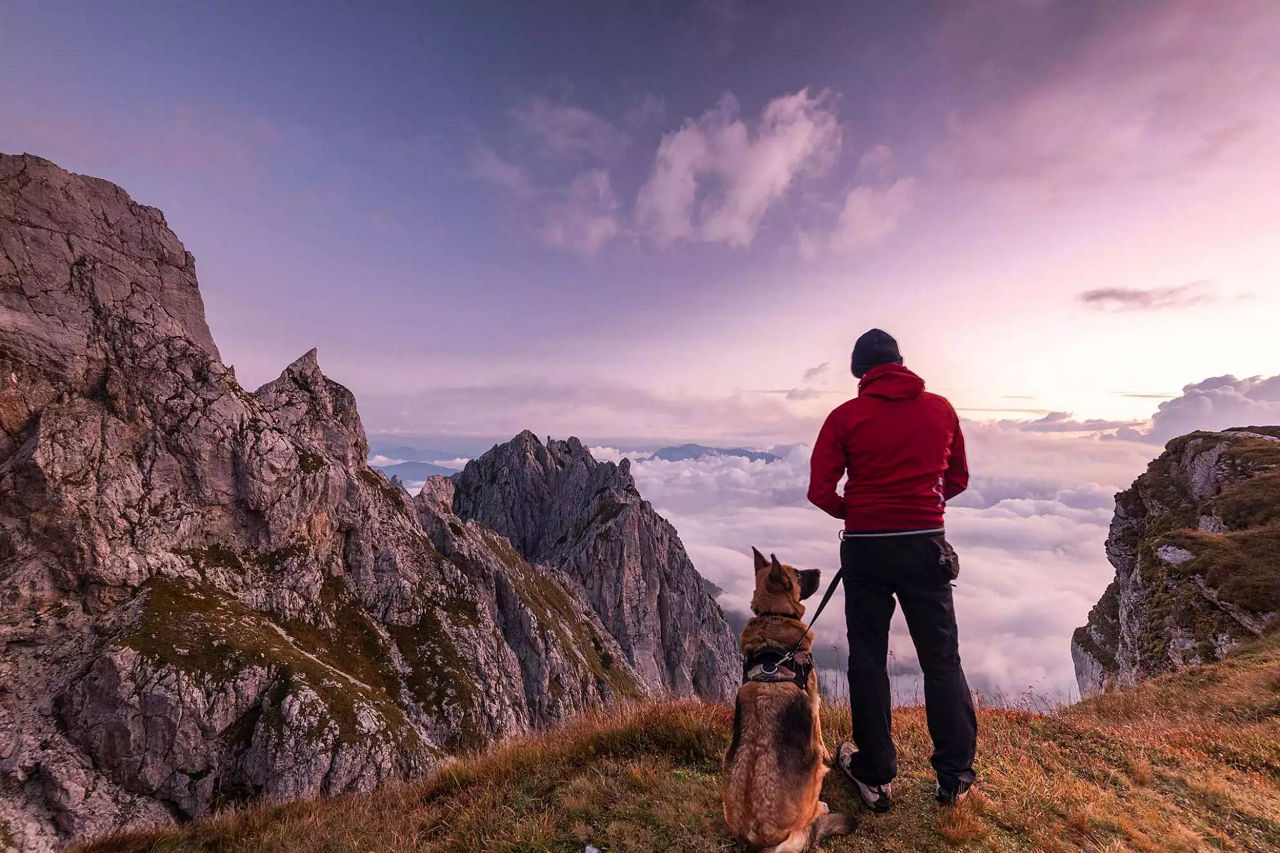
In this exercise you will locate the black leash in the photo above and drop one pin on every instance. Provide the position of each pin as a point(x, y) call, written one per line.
point(770, 669)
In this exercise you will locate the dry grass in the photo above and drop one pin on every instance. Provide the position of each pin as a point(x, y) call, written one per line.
point(1182, 763)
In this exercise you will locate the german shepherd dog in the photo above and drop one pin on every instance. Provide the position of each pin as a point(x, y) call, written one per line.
point(774, 767)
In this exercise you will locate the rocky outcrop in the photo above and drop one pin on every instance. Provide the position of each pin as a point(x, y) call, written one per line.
point(206, 596)
point(558, 505)
point(1196, 547)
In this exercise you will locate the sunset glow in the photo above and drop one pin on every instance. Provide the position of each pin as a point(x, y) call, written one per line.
point(642, 228)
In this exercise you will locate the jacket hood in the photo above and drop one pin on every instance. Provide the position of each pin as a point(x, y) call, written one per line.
point(891, 382)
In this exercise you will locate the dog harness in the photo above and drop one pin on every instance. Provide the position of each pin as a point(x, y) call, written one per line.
point(789, 655)
point(772, 664)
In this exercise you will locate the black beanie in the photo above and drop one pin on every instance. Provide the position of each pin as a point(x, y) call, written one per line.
point(873, 349)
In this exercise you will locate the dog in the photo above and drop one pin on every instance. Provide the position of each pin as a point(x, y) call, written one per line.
point(774, 768)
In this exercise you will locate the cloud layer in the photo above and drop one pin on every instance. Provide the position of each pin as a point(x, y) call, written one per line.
point(1030, 533)
point(1030, 529)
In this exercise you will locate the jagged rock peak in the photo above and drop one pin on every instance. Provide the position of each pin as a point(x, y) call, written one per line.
point(538, 490)
point(72, 223)
point(558, 505)
point(206, 596)
point(1195, 542)
point(308, 401)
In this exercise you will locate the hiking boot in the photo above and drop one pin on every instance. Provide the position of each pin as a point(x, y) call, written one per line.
point(878, 798)
point(951, 796)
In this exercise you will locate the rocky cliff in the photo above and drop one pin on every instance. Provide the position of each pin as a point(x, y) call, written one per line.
point(1196, 547)
point(206, 596)
point(560, 506)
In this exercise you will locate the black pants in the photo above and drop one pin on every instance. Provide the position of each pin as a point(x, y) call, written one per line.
point(875, 569)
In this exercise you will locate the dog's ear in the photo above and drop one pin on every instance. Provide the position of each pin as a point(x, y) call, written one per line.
point(761, 562)
point(809, 581)
point(777, 577)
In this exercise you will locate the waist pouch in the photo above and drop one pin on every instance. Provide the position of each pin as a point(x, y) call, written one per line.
point(948, 559)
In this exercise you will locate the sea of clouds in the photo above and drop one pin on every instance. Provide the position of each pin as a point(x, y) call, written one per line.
point(1030, 531)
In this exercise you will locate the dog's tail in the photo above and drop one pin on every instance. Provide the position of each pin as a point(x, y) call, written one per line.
point(828, 825)
point(809, 837)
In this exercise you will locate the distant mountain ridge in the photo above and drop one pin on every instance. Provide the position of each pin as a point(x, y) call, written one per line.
point(684, 452)
point(408, 453)
point(414, 472)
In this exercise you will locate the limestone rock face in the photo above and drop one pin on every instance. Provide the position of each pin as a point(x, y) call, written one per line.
point(206, 595)
point(558, 505)
point(1196, 547)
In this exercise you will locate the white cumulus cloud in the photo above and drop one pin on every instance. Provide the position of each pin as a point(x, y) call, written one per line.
point(871, 214)
point(714, 179)
point(1218, 403)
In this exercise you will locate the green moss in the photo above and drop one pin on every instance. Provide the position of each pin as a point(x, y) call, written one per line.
point(310, 463)
point(501, 546)
point(213, 557)
point(1253, 503)
point(439, 678)
point(1162, 602)
point(191, 628)
point(1104, 618)
point(221, 557)
point(1243, 567)
point(350, 638)
point(391, 496)
point(1257, 454)
point(206, 633)
point(281, 557)
point(608, 511)
point(553, 607)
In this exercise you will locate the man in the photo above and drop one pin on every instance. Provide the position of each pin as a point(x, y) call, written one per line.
point(904, 455)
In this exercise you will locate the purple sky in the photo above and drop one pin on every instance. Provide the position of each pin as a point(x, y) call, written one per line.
point(658, 221)
point(648, 222)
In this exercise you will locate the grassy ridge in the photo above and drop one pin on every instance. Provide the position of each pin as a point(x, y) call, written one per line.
point(1181, 763)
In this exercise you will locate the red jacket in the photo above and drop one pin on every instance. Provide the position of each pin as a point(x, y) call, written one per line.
point(902, 449)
